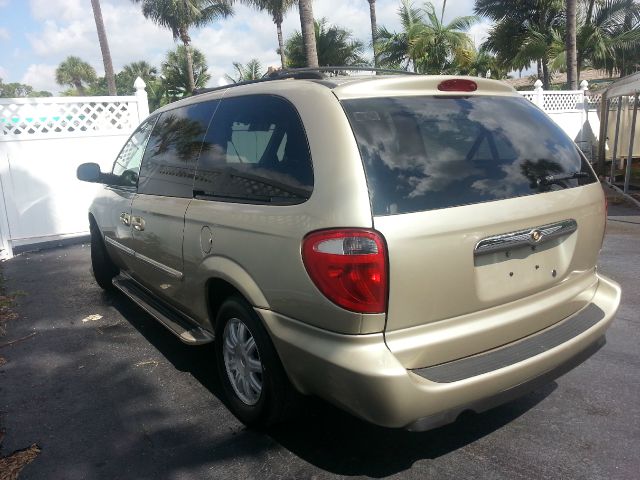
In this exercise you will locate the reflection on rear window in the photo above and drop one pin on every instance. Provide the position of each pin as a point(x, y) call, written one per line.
point(427, 153)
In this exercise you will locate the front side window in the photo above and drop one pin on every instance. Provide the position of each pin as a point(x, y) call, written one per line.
point(426, 153)
point(175, 144)
point(255, 151)
point(127, 166)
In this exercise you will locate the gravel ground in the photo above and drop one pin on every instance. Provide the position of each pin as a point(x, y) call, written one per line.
point(118, 397)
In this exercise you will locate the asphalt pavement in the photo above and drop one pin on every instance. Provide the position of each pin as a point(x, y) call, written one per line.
point(108, 393)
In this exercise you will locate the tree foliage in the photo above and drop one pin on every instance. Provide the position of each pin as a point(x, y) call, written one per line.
point(20, 90)
point(252, 70)
point(527, 32)
point(181, 15)
point(425, 44)
point(175, 76)
point(75, 73)
point(335, 46)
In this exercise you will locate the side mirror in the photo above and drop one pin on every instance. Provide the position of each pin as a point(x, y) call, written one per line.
point(89, 172)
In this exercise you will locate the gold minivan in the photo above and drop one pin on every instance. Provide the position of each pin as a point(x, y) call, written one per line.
point(406, 247)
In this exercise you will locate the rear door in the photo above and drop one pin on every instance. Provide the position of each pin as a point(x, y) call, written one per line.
point(165, 190)
point(483, 201)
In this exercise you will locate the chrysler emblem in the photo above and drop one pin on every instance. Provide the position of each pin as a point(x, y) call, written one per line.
point(536, 235)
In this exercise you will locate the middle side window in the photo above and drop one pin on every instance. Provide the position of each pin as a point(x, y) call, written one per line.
point(172, 152)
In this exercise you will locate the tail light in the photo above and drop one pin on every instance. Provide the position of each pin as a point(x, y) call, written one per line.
point(349, 266)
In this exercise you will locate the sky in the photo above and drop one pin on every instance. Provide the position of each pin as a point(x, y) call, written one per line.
point(36, 35)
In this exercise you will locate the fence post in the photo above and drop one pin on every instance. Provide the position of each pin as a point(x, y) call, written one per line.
point(584, 86)
point(539, 94)
point(142, 98)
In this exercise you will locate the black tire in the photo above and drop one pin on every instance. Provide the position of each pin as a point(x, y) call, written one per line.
point(103, 268)
point(277, 397)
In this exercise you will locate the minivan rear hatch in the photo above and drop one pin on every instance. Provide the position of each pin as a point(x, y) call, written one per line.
point(484, 203)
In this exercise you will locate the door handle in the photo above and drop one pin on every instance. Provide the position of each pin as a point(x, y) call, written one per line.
point(125, 218)
point(138, 223)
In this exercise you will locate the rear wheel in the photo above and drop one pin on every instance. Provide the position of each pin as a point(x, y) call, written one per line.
point(254, 382)
point(103, 268)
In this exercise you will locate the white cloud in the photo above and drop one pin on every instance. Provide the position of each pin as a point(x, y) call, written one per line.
point(4, 34)
point(3, 73)
point(58, 9)
point(4, 3)
point(41, 77)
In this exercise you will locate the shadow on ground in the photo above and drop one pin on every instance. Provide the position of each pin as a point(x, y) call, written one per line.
point(325, 436)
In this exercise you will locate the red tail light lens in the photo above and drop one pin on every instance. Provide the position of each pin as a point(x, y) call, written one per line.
point(349, 266)
point(458, 85)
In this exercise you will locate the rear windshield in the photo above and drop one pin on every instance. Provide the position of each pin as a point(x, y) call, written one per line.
point(427, 153)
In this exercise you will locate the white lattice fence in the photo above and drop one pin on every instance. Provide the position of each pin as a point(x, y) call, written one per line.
point(56, 117)
point(563, 101)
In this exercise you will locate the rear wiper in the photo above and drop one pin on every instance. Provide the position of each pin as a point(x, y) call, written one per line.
point(561, 177)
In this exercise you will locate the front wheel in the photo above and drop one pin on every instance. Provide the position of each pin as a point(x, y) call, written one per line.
point(257, 389)
point(103, 268)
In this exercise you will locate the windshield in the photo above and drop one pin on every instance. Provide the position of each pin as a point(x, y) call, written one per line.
point(427, 153)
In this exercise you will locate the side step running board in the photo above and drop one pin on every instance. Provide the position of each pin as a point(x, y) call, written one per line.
point(180, 327)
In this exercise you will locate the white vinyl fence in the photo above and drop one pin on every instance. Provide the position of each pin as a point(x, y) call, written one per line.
point(42, 142)
point(575, 111)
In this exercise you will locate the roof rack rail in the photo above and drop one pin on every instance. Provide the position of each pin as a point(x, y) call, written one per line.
point(335, 69)
point(307, 73)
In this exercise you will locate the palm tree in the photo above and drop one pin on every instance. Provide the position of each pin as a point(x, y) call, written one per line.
point(395, 49)
point(307, 28)
point(572, 53)
point(609, 35)
point(277, 9)
point(176, 77)
point(76, 73)
point(443, 48)
point(374, 30)
point(127, 77)
point(179, 16)
point(524, 32)
point(427, 44)
point(252, 70)
point(104, 47)
point(335, 46)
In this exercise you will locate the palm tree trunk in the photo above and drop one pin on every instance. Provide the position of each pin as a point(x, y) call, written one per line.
point(374, 30)
point(590, 11)
point(80, 88)
point(308, 32)
point(546, 77)
point(283, 58)
point(572, 60)
point(186, 40)
point(540, 73)
point(104, 47)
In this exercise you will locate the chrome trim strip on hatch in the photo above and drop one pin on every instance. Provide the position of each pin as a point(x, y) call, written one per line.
point(168, 270)
point(527, 237)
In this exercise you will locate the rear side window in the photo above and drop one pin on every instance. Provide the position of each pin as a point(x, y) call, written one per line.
point(170, 159)
point(255, 151)
point(427, 153)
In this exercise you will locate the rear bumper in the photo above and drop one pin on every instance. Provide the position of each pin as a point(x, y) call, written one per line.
point(360, 374)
